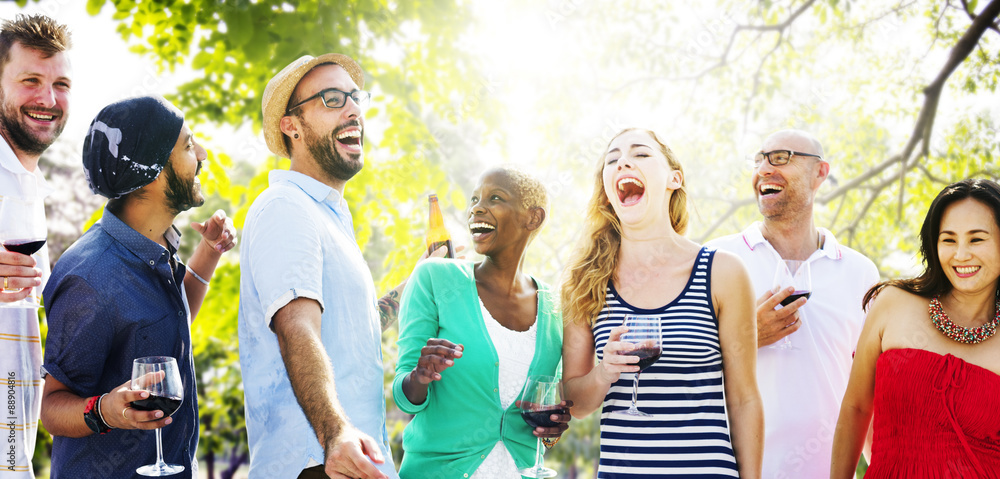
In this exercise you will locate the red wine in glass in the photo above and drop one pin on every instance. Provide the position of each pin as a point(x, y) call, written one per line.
point(26, 247)
point(647, 356)
point(796, 295)
point(158, 376)
point(645, 335)
point(541, 417)
point(168, 405)
point(797, 275)
point(542, 397)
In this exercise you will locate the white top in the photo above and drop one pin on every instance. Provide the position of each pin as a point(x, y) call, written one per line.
point(21, 354)
point(802, 388)
point(515, 349)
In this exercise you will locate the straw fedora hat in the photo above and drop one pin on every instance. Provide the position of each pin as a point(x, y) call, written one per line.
point(280, 88)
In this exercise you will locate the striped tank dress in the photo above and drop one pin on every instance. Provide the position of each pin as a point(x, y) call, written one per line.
point(688, 432)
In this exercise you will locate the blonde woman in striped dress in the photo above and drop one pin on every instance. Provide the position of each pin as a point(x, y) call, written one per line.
point(706, 415)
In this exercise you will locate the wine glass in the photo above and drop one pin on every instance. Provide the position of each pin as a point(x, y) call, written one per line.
point(541, 398)
point(796, 274)
point(645, 333)
point(22, 230)
point(158, 375)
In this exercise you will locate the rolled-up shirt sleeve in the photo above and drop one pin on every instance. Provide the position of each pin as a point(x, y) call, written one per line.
point(287, 261)
point(77, 316)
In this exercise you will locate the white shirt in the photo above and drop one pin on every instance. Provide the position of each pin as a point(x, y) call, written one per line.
point(802, 388)
point(516, 350)
point(21, 350)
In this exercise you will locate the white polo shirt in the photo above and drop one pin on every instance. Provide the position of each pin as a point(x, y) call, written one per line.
point(21, 350)
point(802, 388)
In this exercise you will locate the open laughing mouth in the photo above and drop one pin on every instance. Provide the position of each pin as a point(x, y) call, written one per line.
point(630, 191)
point(768, 189)
point(480, 229)
point(350, 138)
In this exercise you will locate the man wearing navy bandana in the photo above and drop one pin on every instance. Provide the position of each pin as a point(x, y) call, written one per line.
point(121, 292)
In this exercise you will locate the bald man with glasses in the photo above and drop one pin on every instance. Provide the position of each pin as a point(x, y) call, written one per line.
point(805, 348)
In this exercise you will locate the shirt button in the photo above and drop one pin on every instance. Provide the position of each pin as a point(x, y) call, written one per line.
point(180, 313)
point(495, 390)
point(151, 262)
point(483, 456)
point(466, 474)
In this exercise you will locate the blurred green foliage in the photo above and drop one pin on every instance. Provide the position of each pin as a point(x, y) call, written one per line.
point(832, 67)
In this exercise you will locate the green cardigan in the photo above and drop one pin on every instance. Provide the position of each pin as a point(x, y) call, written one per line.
point(461, 420)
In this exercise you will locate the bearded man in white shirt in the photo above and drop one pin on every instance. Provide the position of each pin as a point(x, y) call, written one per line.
point(34, 103)
point(805, 348)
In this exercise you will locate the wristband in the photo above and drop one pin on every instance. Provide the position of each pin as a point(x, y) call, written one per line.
point(93, 420)
point(198, 277)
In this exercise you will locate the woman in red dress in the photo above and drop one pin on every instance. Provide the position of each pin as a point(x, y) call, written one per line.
point(927, 364)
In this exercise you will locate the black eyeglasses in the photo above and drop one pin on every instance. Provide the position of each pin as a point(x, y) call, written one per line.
point(334, 98)
point(778, 157)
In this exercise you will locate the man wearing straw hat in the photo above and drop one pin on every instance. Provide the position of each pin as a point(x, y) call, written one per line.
point(310, 332)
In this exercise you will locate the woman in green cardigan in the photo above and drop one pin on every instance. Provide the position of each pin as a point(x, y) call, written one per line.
point(469, 336)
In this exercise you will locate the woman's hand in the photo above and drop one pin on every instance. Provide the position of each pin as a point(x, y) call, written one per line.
point(550, 435)
point(615, 360)
point(435, 357)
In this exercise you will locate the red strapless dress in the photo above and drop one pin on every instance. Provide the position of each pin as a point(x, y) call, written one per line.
point(935, 417)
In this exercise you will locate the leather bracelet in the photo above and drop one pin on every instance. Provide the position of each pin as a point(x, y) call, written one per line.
point(93, 419)
point(100, 414)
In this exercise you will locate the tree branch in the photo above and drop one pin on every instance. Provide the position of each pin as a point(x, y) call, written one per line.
point(780, 26)
point(932, 95)
point(734, 206)
point(921, 131)
point(724, 57)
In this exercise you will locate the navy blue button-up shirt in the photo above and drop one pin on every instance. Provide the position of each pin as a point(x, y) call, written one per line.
point(114, 297)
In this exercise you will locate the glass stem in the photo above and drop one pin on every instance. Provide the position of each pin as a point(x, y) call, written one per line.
point(540, 456)
point(159, 449)
point(635, 390)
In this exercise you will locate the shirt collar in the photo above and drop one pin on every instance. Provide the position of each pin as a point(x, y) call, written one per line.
point(9, 162)
point(149, 251)
point(318, 190)
point(753, 236)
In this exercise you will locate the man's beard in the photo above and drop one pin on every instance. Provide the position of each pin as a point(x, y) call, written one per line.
point(182, 194)
point(20, 136)
point(324, 150)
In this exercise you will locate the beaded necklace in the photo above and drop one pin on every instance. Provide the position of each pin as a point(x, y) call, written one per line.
point(959, 333)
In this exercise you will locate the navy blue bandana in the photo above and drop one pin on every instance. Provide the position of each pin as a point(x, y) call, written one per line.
point(129, 143)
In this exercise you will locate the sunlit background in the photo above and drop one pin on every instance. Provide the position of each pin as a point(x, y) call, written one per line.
point(460, 86)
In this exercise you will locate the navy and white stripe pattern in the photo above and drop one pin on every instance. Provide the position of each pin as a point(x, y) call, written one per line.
point(688, 433)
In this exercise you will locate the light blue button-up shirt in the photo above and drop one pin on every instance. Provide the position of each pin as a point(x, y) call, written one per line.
point(298, 242)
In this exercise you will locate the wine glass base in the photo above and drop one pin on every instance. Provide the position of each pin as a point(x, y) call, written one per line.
point(537, 472)
point(162, 469)
point(631, 412)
